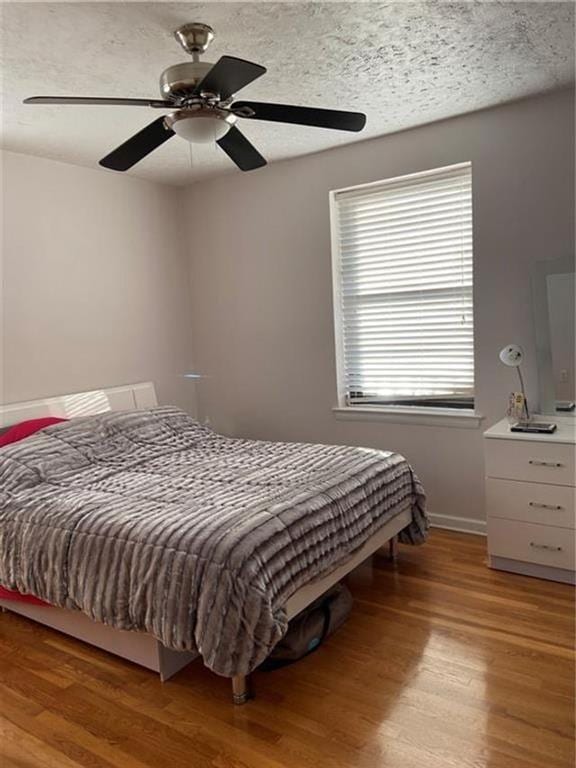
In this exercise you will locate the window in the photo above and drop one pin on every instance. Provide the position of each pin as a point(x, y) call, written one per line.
point(403, 290)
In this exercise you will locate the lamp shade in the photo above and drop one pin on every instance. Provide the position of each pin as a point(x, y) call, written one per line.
point(512, 355)
point(201, 128)
point(201, 123)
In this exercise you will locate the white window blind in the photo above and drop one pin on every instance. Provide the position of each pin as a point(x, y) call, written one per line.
point(403, 289)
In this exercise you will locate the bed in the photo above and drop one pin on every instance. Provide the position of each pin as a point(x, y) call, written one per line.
point(157, 539)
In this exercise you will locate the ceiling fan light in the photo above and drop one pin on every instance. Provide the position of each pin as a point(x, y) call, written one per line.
point(201, 125)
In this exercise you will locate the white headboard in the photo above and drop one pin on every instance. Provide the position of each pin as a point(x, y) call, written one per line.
point(124, 398)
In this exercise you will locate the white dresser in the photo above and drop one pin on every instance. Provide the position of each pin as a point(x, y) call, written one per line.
point(531, 500)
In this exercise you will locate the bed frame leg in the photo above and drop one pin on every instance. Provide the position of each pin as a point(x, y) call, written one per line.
point(393, 549)
point(241, 689)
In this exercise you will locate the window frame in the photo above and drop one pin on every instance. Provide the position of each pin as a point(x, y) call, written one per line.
point(388, 412)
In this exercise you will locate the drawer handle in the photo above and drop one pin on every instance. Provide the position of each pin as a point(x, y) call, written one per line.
point(545, 546)
point(538, 463)
point(539, 505)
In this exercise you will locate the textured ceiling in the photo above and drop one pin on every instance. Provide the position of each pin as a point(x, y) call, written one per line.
point(403, 63)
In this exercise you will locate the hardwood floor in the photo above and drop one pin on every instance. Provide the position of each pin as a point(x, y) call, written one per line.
point(443, 664)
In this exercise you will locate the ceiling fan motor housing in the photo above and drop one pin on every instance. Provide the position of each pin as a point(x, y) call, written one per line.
point(181, 80)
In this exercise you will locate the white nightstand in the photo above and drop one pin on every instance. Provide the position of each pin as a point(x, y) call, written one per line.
point(531, 500)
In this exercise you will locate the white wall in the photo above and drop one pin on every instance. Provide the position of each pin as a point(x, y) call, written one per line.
point(95, 284)
point(259, 249)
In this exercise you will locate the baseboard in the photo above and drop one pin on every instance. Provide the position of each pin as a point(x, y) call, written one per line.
point(533, 569)
point(462, 524)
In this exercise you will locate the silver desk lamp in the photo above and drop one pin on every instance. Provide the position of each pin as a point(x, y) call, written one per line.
point(512, 356)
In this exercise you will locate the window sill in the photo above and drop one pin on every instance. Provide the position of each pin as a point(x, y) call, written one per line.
point(427, 417)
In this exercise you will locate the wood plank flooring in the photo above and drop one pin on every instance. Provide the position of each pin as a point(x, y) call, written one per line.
point(443, 664)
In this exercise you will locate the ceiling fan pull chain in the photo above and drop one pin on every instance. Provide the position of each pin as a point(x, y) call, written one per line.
point(191, 158)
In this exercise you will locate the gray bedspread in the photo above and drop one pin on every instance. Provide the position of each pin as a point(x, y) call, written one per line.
point(146, 520)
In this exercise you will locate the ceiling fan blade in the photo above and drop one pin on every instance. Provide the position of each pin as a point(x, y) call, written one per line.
point(229, 75)
point(138, 146)
point(241, 151)
point(159, 103)
point(285, 113)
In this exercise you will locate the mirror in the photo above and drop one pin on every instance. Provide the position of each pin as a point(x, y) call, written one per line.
point(555, 331)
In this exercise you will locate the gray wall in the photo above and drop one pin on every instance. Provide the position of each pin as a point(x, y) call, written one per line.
point(259, 251)
point(95, 283)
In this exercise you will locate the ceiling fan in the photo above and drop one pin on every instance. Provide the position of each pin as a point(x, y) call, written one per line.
point(201, 95)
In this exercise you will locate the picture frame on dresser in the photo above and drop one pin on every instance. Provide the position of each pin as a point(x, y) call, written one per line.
point(531, 500)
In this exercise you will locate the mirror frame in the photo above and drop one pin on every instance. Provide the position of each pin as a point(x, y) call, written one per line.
point(543, 342)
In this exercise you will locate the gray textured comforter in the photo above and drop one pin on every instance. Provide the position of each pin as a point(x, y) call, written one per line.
point(146, 520)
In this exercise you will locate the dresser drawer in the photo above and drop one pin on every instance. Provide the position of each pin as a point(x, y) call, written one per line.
point(531, 543)
point(534, 461)
point(531, 502)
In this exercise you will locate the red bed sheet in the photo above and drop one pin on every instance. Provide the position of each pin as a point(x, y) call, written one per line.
point(12, 594)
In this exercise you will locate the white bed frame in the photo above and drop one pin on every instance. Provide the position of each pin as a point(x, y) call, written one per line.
point(139, 647)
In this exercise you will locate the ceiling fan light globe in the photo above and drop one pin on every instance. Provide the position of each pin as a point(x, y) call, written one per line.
point(201, 130)
point(201, 125)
